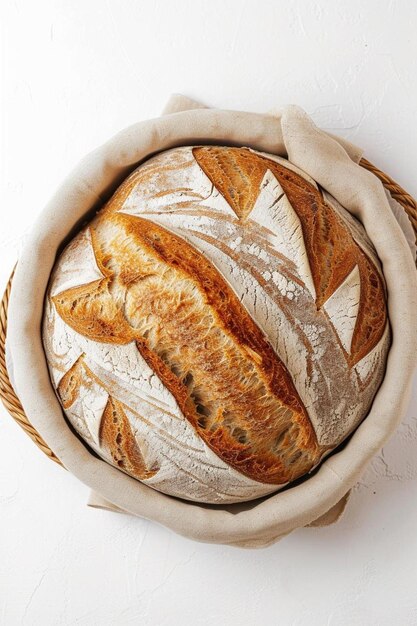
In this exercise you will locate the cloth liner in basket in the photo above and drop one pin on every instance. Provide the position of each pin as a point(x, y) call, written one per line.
point(317, 499)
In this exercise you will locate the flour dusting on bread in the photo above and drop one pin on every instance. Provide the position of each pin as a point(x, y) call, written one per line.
point(219, 327)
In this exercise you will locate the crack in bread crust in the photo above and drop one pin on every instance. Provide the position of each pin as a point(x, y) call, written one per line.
point(193, 331)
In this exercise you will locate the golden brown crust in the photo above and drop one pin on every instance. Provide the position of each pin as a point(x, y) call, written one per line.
point(117, 437)
point(98, 316)
point(69, 385)
point(235, 173)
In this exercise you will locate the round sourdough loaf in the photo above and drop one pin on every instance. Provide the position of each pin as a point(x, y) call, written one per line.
point(219, 326)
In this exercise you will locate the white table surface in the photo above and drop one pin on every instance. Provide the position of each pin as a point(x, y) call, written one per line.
point(74, 73)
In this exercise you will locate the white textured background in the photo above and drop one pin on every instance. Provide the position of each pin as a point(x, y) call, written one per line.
point(73, 74)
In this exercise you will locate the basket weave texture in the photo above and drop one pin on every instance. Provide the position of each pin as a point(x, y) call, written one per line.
point(7, 393)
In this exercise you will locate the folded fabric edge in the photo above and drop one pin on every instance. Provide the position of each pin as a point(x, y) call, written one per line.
point(333, 514)
point(178, 102)
point(96, 501)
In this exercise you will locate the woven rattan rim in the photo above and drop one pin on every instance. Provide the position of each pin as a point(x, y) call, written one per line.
point(12, 402)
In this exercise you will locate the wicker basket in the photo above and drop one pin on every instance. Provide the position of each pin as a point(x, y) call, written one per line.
point(7, 394)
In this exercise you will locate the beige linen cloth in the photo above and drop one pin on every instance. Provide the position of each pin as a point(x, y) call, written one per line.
point(333, 162)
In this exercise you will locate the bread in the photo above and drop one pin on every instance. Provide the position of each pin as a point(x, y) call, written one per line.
point(219, 327)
